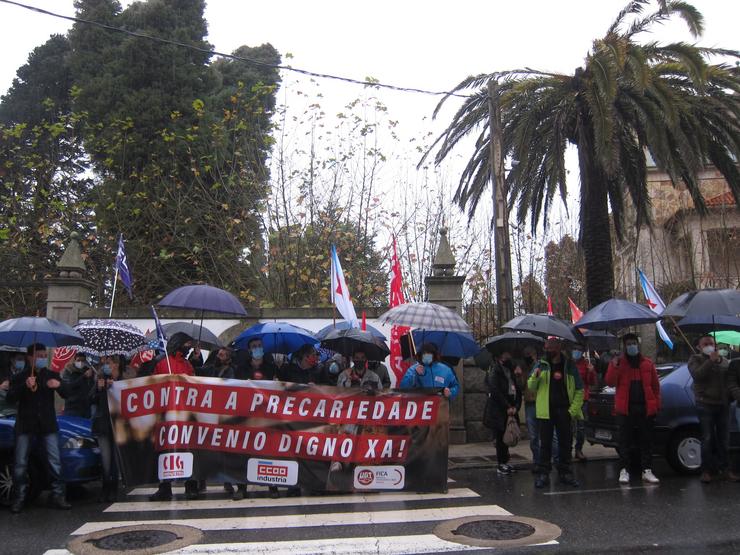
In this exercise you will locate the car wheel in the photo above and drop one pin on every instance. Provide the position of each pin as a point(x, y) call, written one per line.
point(6, 480)
point(684, 451)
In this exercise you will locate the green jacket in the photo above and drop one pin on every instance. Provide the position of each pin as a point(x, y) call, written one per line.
point(541, 385)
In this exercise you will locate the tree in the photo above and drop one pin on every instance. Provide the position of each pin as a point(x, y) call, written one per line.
point(628, 99)
point(178, 144)
point(564, 275)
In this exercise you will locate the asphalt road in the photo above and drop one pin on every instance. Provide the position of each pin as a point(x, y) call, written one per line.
point(679, 515)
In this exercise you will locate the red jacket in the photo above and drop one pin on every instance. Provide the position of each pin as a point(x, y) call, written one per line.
point(588, 377)
point(620, 374)
point(178, 363)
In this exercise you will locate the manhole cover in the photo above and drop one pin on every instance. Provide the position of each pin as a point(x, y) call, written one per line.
point(495, 530)
point(136, 540)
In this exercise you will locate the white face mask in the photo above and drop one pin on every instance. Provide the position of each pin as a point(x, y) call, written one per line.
point(723, 352)
point(79, 364)
point(708, 350)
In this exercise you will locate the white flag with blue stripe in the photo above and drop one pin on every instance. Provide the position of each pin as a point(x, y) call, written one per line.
point(656, 304)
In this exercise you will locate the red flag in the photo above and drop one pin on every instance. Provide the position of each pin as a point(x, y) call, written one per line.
point(575, 312)
point(549, 306)
point(363, 326)
point(397, 298)
point(60, 358)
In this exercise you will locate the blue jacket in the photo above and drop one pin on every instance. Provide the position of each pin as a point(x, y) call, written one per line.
point(436, 375)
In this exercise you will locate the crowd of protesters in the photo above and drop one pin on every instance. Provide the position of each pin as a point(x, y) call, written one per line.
point(553, 386)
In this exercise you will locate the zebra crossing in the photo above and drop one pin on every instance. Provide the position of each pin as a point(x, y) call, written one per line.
point(364, 523)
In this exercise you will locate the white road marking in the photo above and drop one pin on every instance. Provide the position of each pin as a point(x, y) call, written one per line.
point(143, 506)
point(306, 520)
point(572, 491)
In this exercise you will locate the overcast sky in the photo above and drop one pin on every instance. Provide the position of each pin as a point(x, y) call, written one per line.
point(428, 44)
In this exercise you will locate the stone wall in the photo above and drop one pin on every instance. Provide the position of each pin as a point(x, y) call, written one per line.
point(475, 400)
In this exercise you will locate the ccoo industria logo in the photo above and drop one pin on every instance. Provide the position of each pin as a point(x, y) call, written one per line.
point(273, 472)
point(175, 465)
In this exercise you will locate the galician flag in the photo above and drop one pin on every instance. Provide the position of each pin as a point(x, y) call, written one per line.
point(339, 292)
point(122, 268)
point(656, 304)
point(397, 298)
point(575, 312)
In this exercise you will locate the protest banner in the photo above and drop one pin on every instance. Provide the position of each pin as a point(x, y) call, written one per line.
point(320, 438)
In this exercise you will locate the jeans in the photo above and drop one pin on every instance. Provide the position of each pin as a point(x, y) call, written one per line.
point(108, 458)
point(636, 430)
point(581, 430)
point(714, 436)
point(530, 411)
point(559, 423)
point(50, 443)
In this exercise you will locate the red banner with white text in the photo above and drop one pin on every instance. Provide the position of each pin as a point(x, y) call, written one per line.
point(320, 438)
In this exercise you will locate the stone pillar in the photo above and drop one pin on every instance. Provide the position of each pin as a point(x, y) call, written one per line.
point(445, 288)
point(69, 291)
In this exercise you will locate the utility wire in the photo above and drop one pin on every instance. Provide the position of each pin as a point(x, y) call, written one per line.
point(366, 83)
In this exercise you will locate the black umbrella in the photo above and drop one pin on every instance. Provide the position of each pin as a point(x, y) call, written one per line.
point(616, 314)
point(702, 324)
point(346, 342)
point(543, 325)
point(705, 302)
point(513, 342)
point(598, 340)
point(208, 339)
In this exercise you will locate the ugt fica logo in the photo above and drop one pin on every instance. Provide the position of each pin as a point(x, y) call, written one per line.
point(175, 465)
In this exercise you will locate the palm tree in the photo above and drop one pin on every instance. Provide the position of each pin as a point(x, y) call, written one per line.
point(628, 99)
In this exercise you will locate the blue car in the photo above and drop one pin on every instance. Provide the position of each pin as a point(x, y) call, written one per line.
point(677, 434)
point(78, 449)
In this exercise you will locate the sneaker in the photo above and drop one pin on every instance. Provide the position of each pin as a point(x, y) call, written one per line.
point(502, 470)
point(542, 481)
point(648, 476)
point(510, 468)
point(624, 476)
point(569, 480)
point(239, 494)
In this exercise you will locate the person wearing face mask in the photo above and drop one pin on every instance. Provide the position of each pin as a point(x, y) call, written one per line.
point(559, 400)
point(103, 430)
point(431, 373)
point(358, 374)
point(254, 363)
point(711, 395)
point(78, 379)
point(33, 388)
point(16, 363)
point(303, 367)
point(530, 412)
point(505, 397)
point(221, 367)
point(176, 362)
point(588, 377)
point(636, 402)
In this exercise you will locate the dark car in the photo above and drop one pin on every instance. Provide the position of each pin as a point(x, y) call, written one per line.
point(677, 435)
point(78, 450)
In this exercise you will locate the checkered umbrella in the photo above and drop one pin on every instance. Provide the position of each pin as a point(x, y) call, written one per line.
point(110, 337)
point(429, 316)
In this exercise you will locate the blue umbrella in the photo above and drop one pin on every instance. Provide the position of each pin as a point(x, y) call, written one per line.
point(345, 325)
point(615, 314)
point(25, 331)
point(277, 337)
point(203, 297)
point(705, 323)
point(450, 343)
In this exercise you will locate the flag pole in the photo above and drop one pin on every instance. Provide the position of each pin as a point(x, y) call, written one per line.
point(113, 297)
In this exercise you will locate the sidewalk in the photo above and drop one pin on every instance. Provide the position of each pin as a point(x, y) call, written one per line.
point(483, 455)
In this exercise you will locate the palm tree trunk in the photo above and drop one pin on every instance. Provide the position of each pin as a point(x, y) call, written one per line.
point(595, 229)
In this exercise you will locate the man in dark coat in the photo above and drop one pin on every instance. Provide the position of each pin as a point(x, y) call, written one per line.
point(254, 363)
point(78, 380)
point(33, 389)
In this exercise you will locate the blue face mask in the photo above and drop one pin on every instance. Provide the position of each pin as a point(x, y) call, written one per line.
point(20, 364)
point(577, 355)
point(333, 368)
point(258, 352)
point(633, 350)
point(106, 370)
point(427, 358)
point(41, 363)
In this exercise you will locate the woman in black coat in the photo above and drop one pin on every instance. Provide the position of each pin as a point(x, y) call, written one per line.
point(101, 426)
point(504, 400)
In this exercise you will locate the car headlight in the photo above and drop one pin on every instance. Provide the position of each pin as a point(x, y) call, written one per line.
point(79, 443)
